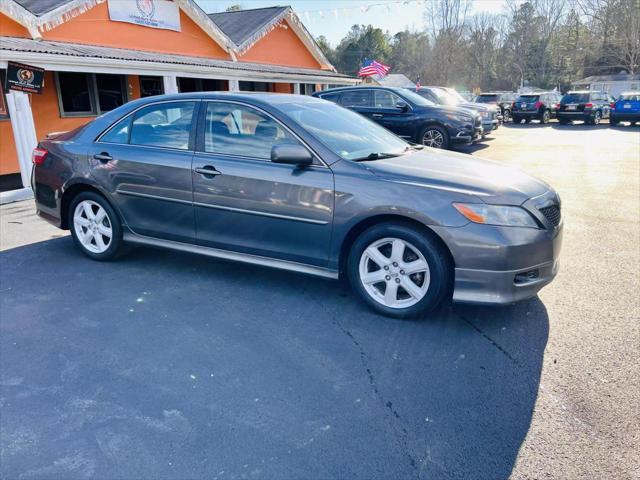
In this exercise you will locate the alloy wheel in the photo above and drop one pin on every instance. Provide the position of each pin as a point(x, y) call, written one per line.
point(545, 117)
point(92, 226)
point(433, 138)
point(394, 273)
point(596, 118)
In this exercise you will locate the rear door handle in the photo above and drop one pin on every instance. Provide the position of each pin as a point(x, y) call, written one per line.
point(207, 171)
point(377, 115)
point(103, 157)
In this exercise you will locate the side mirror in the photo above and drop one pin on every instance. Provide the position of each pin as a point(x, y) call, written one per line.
point(291, 154)
point(404, 106)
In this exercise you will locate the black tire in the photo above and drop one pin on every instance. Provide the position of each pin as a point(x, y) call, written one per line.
point(506, 116)
point(527, 120)
point(595, 119)
point(435, 128)
point(613, 122)
point(436, 256)
point(116, 243)
point(516, 119)
point(545, 117)
point(563, 121)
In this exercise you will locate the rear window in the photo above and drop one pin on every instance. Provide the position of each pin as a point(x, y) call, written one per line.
point(528, 98)
point(575, 98)
point(630, 97)
point(486, 98)
point(332, 97)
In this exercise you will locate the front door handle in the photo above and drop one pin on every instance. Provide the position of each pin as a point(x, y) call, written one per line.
point(104, 157)
point(207, 171)
point(377, 115)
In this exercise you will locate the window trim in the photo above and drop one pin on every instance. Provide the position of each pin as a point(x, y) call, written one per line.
point(192, 131)
point(94, 97)
point(199, 144)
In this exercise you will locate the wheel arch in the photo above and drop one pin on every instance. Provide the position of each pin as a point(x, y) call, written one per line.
point(73, 191)
point(369, 222)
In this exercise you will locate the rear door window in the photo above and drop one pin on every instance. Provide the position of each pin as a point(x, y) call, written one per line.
point(385, 99)
point(356, 98)
point(166, 125)
point(575, 98)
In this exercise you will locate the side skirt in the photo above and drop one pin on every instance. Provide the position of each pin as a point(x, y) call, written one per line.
point(130, 237)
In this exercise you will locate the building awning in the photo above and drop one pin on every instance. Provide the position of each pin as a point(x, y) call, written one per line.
point(63, 56)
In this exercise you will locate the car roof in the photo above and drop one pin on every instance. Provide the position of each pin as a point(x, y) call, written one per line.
point(360, 87)
point(583, 91)
point(631, 92)
point(251, 97)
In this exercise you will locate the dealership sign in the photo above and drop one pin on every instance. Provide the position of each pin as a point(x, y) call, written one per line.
point(24, 78)
point(163, 14)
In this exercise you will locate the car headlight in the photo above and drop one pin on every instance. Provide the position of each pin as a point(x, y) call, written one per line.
point(503, 215)
point(459, 118)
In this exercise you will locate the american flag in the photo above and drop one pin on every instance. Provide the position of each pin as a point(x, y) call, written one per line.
point(373, 67)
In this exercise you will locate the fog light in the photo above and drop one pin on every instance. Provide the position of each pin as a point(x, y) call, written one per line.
point(526, 277)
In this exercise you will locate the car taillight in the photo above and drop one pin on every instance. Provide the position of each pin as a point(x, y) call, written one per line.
point(613, 105)
point(513, 104)
point(538, 104)
point(38, 156)
point(556, 106)
point(588, 105)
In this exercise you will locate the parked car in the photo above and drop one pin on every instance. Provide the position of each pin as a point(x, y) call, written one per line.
point(302, 184)
point(442, 96)
point(626, 109)
point(535, 106)
point(589, 106)
point(409, 115)
point(502, 100)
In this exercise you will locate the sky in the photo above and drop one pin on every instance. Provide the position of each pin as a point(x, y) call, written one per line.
point(334, 18)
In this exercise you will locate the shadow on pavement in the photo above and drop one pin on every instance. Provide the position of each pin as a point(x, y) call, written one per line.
point(166, 365)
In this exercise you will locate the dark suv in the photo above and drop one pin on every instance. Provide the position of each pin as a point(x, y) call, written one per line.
point(409, 115)
point(535, 106)
point(590, 106)
point(502, 100)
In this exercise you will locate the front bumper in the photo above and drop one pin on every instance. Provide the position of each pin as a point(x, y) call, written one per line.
point(465, 137)
point(501, 265)
point(490, 125)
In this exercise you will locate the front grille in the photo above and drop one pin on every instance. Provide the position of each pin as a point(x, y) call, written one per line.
point(551, 213)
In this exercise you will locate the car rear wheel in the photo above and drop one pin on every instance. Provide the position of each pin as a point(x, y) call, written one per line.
point(399, 271)
point(595, 120)
point(506, 116)
point(546, 116)
point(435, 137)
point(95, 226)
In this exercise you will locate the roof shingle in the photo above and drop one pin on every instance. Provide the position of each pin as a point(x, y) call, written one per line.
point(241, 25)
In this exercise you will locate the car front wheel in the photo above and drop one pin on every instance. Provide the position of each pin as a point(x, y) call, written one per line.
point(435, 137)
point(399, 271)
point(95, 226)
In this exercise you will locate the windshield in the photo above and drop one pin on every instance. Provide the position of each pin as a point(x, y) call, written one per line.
point(575, 98)
point(454, 94)
point(417, 99)
point(344, 132)
point(631, 97)
point(487, 98)
point(445, 97)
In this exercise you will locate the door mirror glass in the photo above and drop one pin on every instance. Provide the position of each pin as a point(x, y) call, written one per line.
point(291, 154)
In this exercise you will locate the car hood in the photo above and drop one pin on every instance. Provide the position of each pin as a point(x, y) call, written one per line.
point(489, 181)
point(444, 109)
point(477, 106)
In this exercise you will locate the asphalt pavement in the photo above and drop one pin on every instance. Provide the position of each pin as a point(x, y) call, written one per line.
point(169, 365)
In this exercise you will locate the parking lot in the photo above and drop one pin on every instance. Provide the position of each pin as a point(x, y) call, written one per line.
point(168, 365)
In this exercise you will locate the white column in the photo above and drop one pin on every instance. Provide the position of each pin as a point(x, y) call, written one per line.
point(296, 88)
point(24, 132)
point(234, 86)
point(170, 84)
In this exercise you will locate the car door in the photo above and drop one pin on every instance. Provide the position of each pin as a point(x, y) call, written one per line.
point(389, 115)
point(246, 203)
point(144, 162)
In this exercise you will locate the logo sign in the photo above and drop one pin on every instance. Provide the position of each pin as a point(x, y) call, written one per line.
point(164, 14)
point(24, 78)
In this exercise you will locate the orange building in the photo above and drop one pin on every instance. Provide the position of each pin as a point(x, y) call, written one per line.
point(98, 54)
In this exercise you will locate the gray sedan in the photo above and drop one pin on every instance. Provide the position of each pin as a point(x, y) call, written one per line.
point(301, 184)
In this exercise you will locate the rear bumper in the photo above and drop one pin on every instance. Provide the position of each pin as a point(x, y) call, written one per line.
point(574, 115)
point(525, 114)
point(623, 116)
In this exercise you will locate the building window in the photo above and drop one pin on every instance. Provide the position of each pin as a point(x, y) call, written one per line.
point(150, 86)
point(256, 87)
point(307, 88)
point(187, 85)
point(87, 94)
